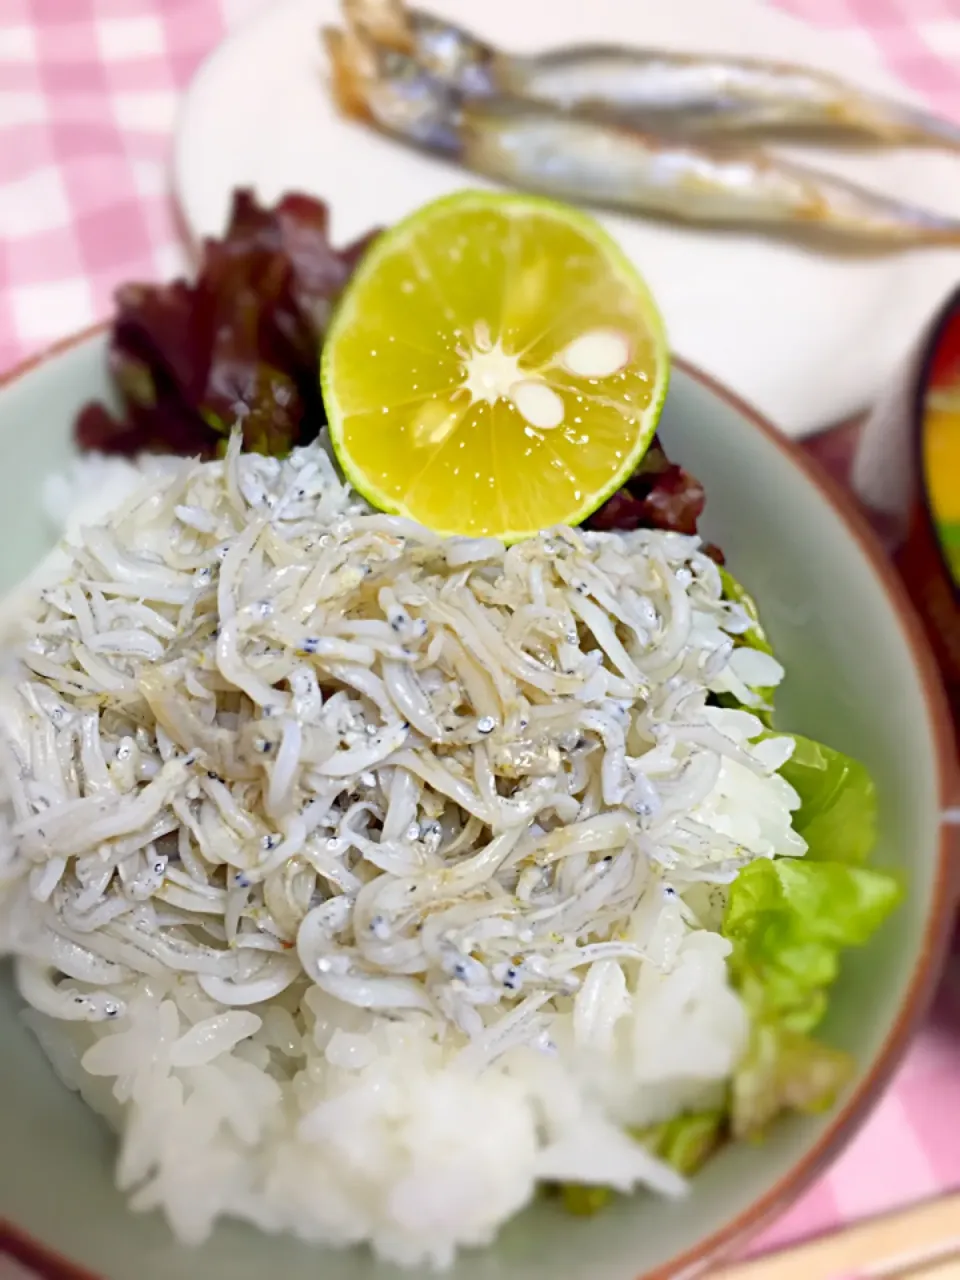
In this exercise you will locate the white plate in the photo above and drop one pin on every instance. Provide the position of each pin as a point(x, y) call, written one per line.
point(806, 337)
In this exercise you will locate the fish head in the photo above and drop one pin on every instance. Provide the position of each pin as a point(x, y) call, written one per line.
point(385, 87)
point(387, 22)
point(450, 53)
point(350, 71)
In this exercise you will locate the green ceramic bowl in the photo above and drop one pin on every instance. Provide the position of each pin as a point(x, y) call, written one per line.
point(859, 677)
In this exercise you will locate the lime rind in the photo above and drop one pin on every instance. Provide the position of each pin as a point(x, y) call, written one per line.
point(392, 241)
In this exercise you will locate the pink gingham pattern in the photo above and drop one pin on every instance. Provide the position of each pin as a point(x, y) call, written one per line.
point(88, 95)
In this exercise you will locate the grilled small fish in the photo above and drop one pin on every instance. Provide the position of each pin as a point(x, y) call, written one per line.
point(662, 91)
point(524, 144)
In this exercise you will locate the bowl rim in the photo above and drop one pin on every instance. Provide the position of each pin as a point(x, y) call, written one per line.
point(848, 1118)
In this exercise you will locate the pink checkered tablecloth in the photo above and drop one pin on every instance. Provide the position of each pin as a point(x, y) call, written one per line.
point(88, 95)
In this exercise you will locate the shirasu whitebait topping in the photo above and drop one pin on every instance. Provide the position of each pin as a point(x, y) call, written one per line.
point(268, 746)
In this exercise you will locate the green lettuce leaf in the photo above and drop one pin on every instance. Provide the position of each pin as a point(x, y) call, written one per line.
point(788, 920)
point(687, 1141)
point(784, 1071)
point(583, 1201)
point(838, 812)
point(754, 636)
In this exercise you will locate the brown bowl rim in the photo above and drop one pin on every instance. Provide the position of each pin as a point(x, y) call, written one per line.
point(848, 1118)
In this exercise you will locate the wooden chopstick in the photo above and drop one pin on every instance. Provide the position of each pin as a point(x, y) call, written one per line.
point(921, 1242)
point(946, 1269)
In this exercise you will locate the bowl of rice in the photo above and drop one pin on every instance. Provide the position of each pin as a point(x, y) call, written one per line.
point(287, 987)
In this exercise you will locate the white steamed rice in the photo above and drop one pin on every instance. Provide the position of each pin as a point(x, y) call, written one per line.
point(363, 881)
